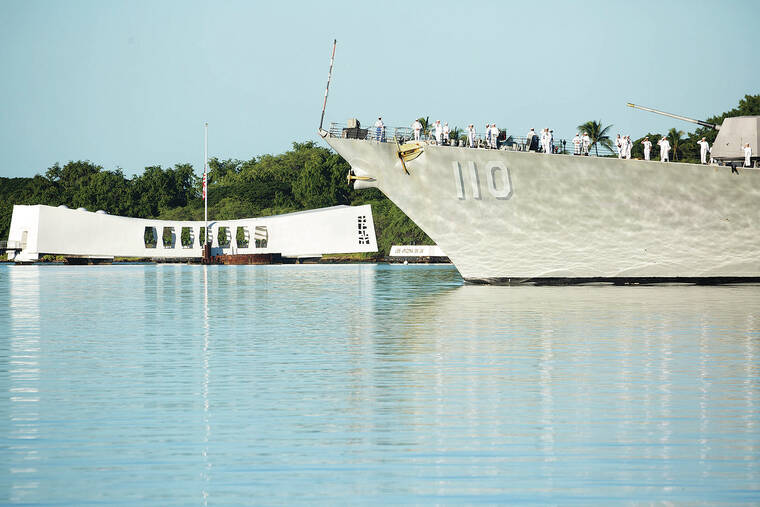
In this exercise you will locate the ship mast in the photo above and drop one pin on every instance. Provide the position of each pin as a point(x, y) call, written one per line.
point(329, 77)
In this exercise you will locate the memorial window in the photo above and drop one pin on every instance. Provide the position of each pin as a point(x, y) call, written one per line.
point(150, 237)
point(242, 237)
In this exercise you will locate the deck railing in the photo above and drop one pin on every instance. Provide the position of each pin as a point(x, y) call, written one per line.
point(405, 134)
point(10, 245)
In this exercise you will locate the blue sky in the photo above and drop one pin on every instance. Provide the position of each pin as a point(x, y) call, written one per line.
point(130, 84)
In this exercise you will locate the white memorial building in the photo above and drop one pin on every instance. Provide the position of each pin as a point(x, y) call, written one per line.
point(77, 233)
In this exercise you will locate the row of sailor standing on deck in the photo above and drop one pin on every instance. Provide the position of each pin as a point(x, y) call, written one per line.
point(546, 139)
point(442, 133)
point(581, 144)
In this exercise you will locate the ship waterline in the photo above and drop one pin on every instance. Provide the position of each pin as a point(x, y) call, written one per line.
point(513, 217)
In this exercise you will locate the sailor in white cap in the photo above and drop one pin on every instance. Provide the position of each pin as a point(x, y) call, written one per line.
point(379, 129)
point(471, 135)
point(664, 145)
point(417, 127)
point(628, 147)
point(747, 154)
point(446, 132)
point(438, 132)
point(494, 136)
point(647, 144)
point(586, 143)
point(577, 144)
point(619, 146)
point(704, 147)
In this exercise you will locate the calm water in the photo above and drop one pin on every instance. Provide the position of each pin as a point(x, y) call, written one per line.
point(163, 385)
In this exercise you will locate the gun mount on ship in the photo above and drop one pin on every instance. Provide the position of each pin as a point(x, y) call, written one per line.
point(733, 134)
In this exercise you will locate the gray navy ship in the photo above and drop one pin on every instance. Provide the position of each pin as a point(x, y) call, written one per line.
point(508, 216)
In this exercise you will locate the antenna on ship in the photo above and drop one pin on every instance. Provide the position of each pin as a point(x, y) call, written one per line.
point(329, 77)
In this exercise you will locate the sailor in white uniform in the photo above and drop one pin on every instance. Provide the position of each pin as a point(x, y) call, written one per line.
point(619, 146)
point(446, 132)
point(586, 143)
point(577, 144)
point(494, 136)
point(628, 147)
point(664, 145)
point(550, 141)
point(704, 147)
point(544, 136)
point(647, 147)
point(379, 129)
point(417, 127)
point(438, 132)
point(471, 135)
point(747, 155)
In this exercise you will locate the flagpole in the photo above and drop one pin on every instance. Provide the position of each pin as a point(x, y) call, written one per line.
point(329, 76)
point(205, 181)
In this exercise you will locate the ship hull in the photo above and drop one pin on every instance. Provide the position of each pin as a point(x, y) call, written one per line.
point(522, 217)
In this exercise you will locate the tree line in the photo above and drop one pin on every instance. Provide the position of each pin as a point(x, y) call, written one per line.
point(304, 177)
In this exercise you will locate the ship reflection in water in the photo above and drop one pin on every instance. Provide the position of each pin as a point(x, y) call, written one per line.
point(166, 384)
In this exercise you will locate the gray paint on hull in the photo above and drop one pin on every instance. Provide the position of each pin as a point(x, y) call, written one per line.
point(574, 217)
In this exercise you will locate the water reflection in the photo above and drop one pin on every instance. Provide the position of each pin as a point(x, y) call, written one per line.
point(374, 383)
point(21, 356)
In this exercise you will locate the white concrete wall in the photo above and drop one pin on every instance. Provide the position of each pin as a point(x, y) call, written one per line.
point(62, 231)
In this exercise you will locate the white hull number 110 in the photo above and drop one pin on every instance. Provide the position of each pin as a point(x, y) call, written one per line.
point(498, 180)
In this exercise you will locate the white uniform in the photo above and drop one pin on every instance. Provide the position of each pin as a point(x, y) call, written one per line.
point(438, 132)
point(417, 126)
point(545, 141)
point(494, 135)
point(704, 146)
point(529, 138)
point(471, 136)
point(379, 130)
point(619, 145)
point(586, 143)
point(647, 148)
point(628, 147)
point(577, 145)
point(446, 132)
point(664, 145)
point(747, 155)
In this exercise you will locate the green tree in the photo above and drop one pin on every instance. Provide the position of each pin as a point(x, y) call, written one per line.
point(675, 137)
point(425, 124)
point(597, 133)
point(455, 134)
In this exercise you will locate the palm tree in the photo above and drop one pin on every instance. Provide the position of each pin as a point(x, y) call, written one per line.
point(455, 133)
point(425, 124)
point(597, 134)
point(675, 138)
